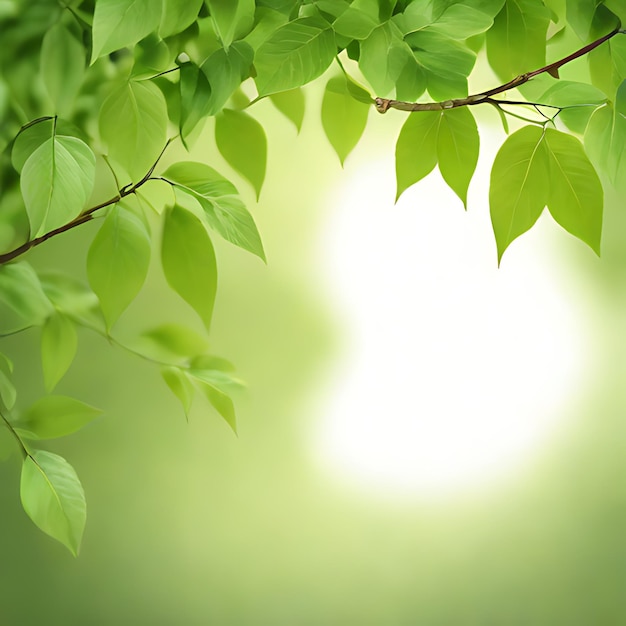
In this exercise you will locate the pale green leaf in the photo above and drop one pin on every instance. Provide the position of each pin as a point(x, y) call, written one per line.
point(62, 66)
point(232, 18)
point(416, 148)
point(223, 211)
point(8, 393)
point(461, 21)
point(457, 149)
point(294, 55)
point(178, 15)
point(23, 302)
point(55, 416)
point(180, 386)
point(56, 181)
point(118, 260)
point(189, 261)
point(579, 100)
point(58, 348)
point(242, 142)
point(343, 117)
point(133, 124)
point(520, 185)
point(174, 340)
point(607, 65)
point(291, 105)
point(195, 98)
point(220, 401)
point(53, 498)
point(575, 198)
point(121, 23)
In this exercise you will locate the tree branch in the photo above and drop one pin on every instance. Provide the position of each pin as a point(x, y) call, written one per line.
point(384, 104)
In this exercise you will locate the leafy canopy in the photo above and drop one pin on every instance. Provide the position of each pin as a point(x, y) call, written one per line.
point(93, 92)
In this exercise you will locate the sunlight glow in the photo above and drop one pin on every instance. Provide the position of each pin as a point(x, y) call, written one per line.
point(455, 371)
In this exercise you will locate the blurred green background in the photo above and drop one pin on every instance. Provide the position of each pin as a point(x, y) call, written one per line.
point(189, 525)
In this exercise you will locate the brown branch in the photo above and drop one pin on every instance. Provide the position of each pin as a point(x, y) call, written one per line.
point(384, 104)
point(84, 217)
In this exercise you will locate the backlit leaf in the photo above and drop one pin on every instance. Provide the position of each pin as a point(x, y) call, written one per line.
point(180, 386)
point(58, 348)
point(178, 15)
point(291, 105)
point(53, 498)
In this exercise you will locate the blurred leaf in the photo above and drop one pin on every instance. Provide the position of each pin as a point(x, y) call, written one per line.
point(220, 401)
point(242, 142)
point(223, 210)
point(180, 386)
point(174, 339)
point(291, 105)
point(520, 184)
point(8, 393)
point(118, 260)
point(56, 181)
point(343, 117)
point(55, 416)
point(62, 65)
point(23, 302)
point(58, 348)
point(121, 23)
point(575, 198)
point(133, 124)
point(294, 55)
point(189, 261)
point(607, 65)
point(53, 498)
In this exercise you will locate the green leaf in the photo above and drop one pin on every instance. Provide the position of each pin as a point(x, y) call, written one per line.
point(8, 393)
point(55, 416)
point(178, 15)
point(56, 181)
point(242, 142)
point(174, 340)
point(457, 149)
point(220, 401)
point(118, 261)
point(461, 21)
point(133, 124)
point(180, 386)
point(578, 99)
point(189, 261)
point(575, 197)
point(516, 43)
point(291, 105)
point(343, 117)
point(359, 20)
point(58, 348)
point(294, 55)
point(225, 71)
point(53, 498)
point(232, 18)
point(416, 149)
point(23, 302)
point(520, 185)
point(223, 211)
point(607, 65)
point(121, 23)
point(195, 98)
point(587, 15)
point(62, 66)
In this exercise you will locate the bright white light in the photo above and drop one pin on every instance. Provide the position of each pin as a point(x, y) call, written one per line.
point(456, 371)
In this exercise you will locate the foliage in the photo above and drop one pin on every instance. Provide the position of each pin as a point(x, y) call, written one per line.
point(96, 90)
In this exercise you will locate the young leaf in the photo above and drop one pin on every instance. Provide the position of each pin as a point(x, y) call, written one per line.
point(575, 197)
point(133, 124)
point(58, 348)
point(55, 416)
point(23, 302)
point(180, 386)
point(520, 184)
point(457, 149)
point(291, 105)
point(343, 117)
point(174, 340)
point(56, 181)
point(189, 261)
point(220, 401)
point(62, 65)
point(416, 149)
point(8, 393)
point(195, 94)
point(516, 43)
point(121, 23)
point(118, 261)
point(232, 20)
point(178, 15)
point(242, 142)
point(223, 210)
point(294, 55)
point(53, 498)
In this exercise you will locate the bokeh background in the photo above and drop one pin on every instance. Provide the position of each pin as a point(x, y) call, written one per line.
point(425, 439)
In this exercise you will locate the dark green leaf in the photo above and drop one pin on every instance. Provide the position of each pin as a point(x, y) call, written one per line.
point(53, 498)
point(189, 261)
point(242, 142)
point(58, 348)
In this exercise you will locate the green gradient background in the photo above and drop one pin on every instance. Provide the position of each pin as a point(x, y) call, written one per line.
point(189, 525)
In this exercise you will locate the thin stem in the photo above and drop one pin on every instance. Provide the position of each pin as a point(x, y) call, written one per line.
point(384, 104)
